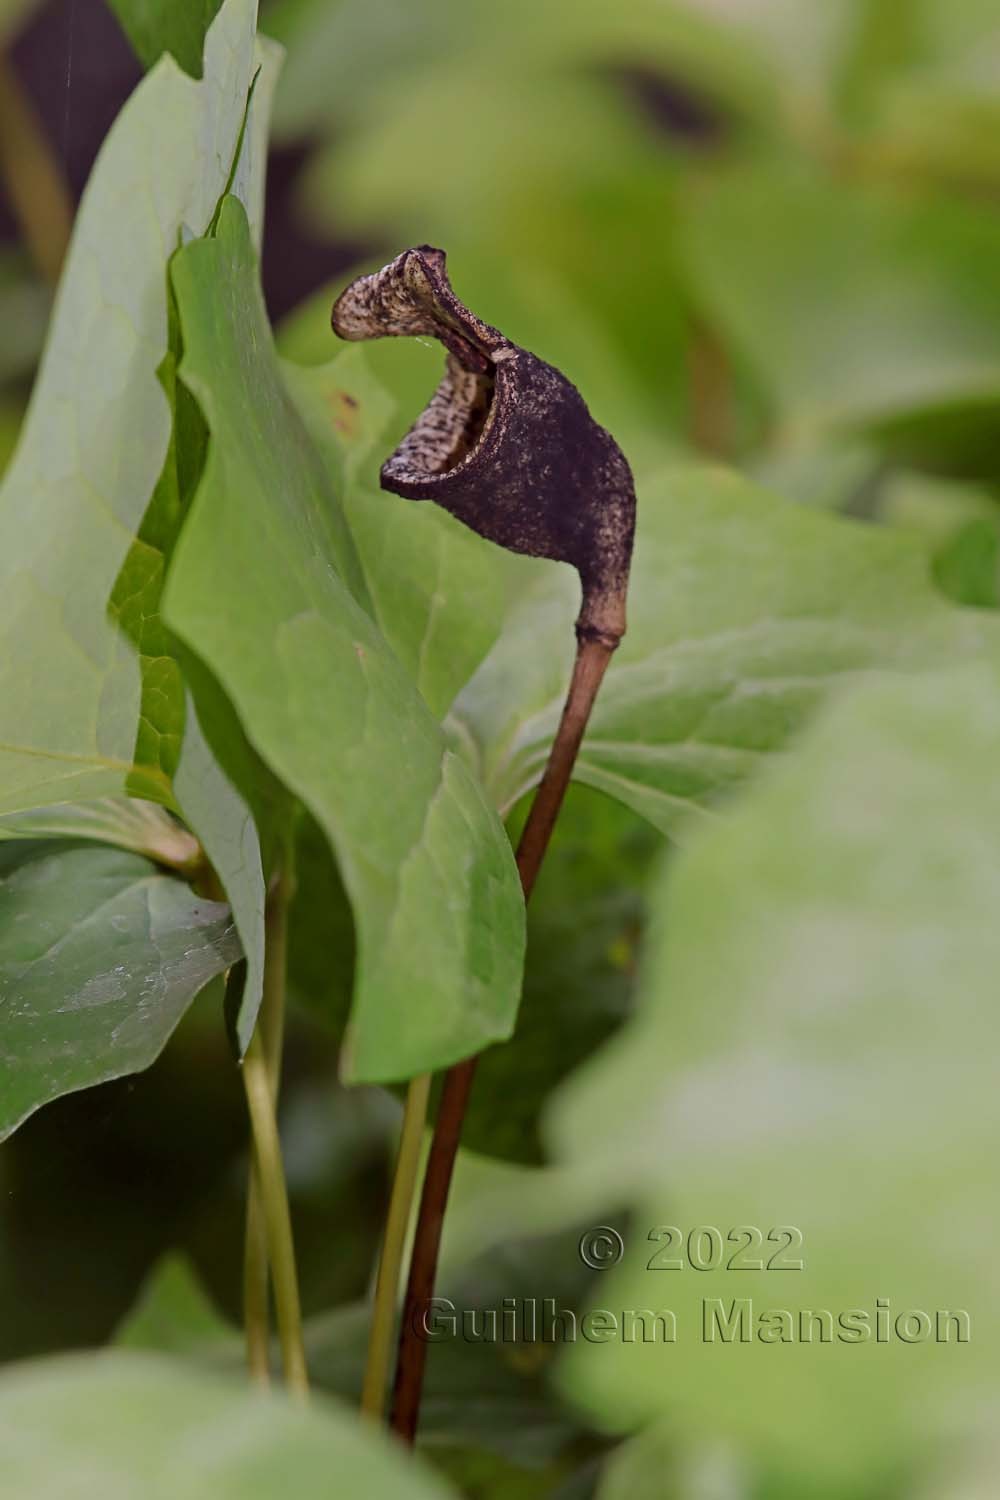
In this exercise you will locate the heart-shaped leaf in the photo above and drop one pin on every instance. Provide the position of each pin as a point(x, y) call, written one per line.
point(325, 702)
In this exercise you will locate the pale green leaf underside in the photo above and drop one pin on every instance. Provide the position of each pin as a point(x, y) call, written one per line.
point(212, 804)
point(743, 610)
point(96, 432)
point(326, 703)
point(101, 953)
point(111, 1426)
point(817, 1046)
point(75, 724)
point(125, 822)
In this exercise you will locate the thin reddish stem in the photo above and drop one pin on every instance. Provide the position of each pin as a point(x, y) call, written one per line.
point(592, 659)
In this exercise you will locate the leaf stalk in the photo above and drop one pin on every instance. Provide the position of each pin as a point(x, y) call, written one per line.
point(404, 1185)
point(268, 1219)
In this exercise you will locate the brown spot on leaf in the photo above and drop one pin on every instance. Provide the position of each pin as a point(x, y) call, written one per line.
point(346, 414)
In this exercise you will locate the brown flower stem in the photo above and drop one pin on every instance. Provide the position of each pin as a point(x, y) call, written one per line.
point(592, 658)
point(35, 187)
point(271, 1028)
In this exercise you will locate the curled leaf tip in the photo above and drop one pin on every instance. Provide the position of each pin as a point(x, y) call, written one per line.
point(506, 443)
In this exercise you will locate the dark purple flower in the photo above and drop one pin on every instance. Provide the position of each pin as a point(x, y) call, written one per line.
point(506, 443)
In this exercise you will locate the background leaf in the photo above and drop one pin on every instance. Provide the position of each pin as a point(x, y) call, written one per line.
point(585, 924)
point(173, 1314)
point(743, 610)
point(176, 26)
point(108, 1425)
point(100, 955)
point(881, 303)
point(229, 835)
point(815, 1048)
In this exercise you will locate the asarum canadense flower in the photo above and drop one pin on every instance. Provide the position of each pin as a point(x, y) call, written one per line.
point(506, 443)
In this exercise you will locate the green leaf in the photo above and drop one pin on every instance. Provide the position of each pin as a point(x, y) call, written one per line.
point(967, 567)
point(173, 1313)
point(657, 1464)
point(817, 1048)
point(592, 289)
point(93, 702)
point(882, 303)
point(970, 1475)
point(325, 702)
point(585, 923)
point(961, 523)
point(118, 1424)
point(932, 109)
point(216, 807)
point(743, 610)
point(204, 779)
point(343, 58)
point(489, 1477)
point(100, 955)
point(142, 827)
point(97, 432)
point(134, 605)
point(177, 26)
point(320, 932)
point(438, 591)
point(933, 508)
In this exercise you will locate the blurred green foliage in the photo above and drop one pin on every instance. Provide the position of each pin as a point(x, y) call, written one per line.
point(639, 180)
point(765, 232)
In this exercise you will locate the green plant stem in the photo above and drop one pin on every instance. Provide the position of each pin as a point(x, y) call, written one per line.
point(592, 658)
point(256, 1284)
point(36, 187)
point(271, 1025)
point(404, 1183)
point(269, 1173)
